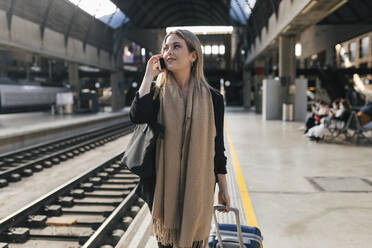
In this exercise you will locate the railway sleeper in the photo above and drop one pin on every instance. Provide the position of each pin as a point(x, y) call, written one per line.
point(99, 201)
point(53, 210)
point(15, 235)
point(27, 172)
point(87, 187)
point(89, 209)
point(3, 183)
point(78, 233)
point(36, 221)
point(37, 167)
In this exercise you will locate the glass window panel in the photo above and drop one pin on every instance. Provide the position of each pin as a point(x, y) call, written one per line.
point(364, 44)
point(352, 51)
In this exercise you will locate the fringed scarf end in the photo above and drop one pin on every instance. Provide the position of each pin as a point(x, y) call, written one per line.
point(164, 235)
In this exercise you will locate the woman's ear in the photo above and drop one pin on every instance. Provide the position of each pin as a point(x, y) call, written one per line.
point(194, 56)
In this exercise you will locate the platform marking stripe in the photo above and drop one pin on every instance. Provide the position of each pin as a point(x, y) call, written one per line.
point(246, 200)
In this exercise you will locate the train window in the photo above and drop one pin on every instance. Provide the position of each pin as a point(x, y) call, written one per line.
point(352, 51)
point(364, 44)
point(363, 65)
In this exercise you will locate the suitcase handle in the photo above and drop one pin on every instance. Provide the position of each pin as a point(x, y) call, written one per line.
point(238, 226)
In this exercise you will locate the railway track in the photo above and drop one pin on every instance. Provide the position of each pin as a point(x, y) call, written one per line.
point(91, 210)
point(25, 162)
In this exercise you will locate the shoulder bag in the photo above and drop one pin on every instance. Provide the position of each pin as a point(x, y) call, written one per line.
point(139, 156)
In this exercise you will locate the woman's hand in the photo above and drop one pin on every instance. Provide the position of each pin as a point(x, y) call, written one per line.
point(224, 199)
point(152, 67)
point(223, 193)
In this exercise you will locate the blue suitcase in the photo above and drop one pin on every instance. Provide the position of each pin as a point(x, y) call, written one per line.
point(231, 236)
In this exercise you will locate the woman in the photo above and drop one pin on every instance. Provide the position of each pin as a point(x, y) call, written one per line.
point(190, 159)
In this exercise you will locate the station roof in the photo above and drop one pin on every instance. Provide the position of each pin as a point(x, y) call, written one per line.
point(345, 12)
point(166, 13)
point(352, 12)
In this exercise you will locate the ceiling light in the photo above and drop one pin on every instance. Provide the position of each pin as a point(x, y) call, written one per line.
point(205, 29)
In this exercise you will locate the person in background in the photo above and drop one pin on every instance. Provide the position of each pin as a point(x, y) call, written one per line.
point(339, 119)
point(365, 113)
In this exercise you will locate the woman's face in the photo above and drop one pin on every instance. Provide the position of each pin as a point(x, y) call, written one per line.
point(176, 55)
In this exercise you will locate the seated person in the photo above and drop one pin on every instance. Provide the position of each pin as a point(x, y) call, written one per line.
point(341, 117)
point(310, 119)
point(319, 111)
point(365, 115)
point(322, 112)
point(332, 112)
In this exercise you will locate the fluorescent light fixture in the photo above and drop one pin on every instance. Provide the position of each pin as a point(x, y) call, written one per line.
point(309, 7)
point(336, 7)
point(35, 68)
point(298, 50)
point(205, 29)
point(208, 49)
point(222, 49)
point(88, 68)
point(143, 51)
point(214, 49)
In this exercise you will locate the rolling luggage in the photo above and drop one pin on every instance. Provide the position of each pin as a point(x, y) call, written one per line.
point(233, 236)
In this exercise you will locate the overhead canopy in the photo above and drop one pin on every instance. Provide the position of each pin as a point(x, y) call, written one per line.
point(167, 13)
point(355, 12)
point(352, 12)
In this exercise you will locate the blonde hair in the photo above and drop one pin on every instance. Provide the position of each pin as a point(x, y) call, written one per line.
point(197, 68)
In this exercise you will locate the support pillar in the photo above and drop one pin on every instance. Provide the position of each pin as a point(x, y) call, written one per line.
point(117, 87)
point(73, 78)
point(247, 86)
point(259, 75)
point(287, 68)
point(287, 57)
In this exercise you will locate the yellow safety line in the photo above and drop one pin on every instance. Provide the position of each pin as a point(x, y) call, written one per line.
point(246, 200)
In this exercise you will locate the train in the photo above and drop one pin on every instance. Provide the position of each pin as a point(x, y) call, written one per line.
point(26, 96)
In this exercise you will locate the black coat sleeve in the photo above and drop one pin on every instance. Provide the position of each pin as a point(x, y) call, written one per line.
point(144, 109)
point(219, 156)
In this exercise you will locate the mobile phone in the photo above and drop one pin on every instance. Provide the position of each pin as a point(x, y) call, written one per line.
point(161, 64)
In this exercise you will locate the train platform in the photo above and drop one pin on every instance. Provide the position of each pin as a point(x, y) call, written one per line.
point(21, 130)
point(299, 192)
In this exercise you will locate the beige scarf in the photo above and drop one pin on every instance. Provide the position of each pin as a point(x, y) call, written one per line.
point(183, 200)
